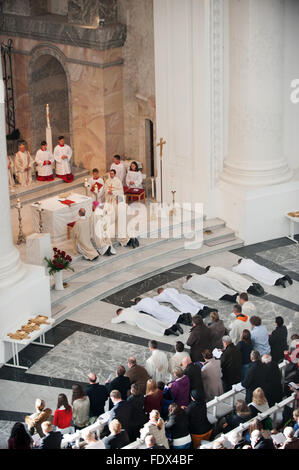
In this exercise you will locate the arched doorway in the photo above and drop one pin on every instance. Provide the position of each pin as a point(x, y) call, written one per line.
point(48, 85)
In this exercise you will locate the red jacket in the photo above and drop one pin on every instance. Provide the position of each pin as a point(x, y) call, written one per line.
point(62, 418)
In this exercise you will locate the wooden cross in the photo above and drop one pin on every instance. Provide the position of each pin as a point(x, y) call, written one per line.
point(160, 144)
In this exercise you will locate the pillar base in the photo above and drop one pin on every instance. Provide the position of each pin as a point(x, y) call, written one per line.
point(258, 214)
point(27, 298)
point(272, 173)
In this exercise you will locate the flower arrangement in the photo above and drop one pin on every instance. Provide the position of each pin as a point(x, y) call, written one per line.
point(59, 261)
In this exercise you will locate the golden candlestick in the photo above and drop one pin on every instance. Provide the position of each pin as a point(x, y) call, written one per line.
point(173, 210)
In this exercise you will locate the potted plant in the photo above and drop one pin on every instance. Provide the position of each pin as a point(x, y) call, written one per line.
point(57, 264)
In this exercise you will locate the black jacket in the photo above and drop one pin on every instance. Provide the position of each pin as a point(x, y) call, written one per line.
point(273, 386)
point(116, 441)
point(199, 340)
point(197, 417)
point(263, 443)
point(137, 410)
point(51, 440)
point(122, 411)
point(177, 425)
point(255, 377)
point(278, 343)
point(231, 365)
point(193, 371)
point(122, 384)
point(97, 395)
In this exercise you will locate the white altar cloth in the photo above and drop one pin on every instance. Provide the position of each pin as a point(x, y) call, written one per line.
point(56, 216)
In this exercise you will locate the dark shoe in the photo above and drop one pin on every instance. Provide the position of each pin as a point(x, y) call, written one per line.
point(133, 243)
point(108, 252)
point(136, 242)
point(290, 281)
point(180, 329)
point(173, 332)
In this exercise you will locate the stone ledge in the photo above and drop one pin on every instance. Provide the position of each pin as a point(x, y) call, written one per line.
point(107, 37)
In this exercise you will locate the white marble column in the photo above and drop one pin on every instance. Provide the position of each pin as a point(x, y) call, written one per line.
point(255, 137)
point(11, 267)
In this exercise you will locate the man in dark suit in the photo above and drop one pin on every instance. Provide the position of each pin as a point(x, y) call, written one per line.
point(193, 371)
point(97, 395)
point(255, 377)
point(120, 383)
point(52, 439)
point(231, 364)
point(273, 386)
point(121, 410)
point(199, 339)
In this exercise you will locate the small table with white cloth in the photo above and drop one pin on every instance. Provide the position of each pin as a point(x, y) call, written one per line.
point(293, 218)
point(56, 215)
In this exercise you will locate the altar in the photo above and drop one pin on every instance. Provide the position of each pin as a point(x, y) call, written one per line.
point(57, 212)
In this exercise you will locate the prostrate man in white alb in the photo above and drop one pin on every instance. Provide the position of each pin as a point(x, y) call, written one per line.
point(145, 322)
point(182, 302)
point(234, 280)
point(261, 273)
point(157, 364)
point(210, 288)
point(81, 235)
point(162, 313)
point(62, 155)
point(119, 168)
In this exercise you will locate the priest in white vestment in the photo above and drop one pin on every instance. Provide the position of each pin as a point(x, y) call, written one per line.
point(209, 288)
point(95, 181)
point(23, 166)
point(10, 166)
point(81, 235)
point(134, 177)
point(261, 273)
point(114, 196)
point(162, 313)
point(248, 308)
point(100, 229)
point(145, 322)
point(44, 160)
point(120, 169)
point(157, 364)
point(62, 155)
point(229, 278)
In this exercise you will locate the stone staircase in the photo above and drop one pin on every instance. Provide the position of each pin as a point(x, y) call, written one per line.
point(42, 190)
point(93, 281)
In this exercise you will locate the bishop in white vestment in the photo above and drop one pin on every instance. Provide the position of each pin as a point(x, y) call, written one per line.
point(62, 155)
point(81, 235)
point(261, 273)
point(100, 229)
point(23, 166)
point(44, 160)
point(209, 288)
point(145, 322)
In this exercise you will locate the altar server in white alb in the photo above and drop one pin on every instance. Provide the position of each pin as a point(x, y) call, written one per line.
point(23, 165)
point(134, 177)
point(119, 168)
point(182, 302)
point(261, 273)
point(234, 280)
point(210, 288)
point(96, 185)
point(160, 312)
point(44, 160)
point(145, 322)
point(10, 167)
point(62, 155)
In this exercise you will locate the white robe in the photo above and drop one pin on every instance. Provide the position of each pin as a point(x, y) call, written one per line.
point(207, 287)
point(135, 177)
point(144, 322)
point(182, 302)
point(63, 167)
point(120, 171)
point(100, 231)
point(176, 359)
point(157, 366)
point(237, 327)
point(162, 313)
point(23, 168)
point(257, 271)
point(101, 193)
point(40, 157)
point(114, 185)
point(10, 164)
point(231, 279)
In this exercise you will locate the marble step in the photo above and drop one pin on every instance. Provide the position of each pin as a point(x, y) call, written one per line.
point(127, 277)
point(40, 191)
point(218, 236)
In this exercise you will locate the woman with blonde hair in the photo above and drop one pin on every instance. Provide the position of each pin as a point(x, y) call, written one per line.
point(155, 427)
point(153, 397)
point(259, 402)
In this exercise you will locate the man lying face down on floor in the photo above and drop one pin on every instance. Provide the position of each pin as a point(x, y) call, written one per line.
point(210, 288)
point(145, 322)
point(261, 273)
point(233, 280)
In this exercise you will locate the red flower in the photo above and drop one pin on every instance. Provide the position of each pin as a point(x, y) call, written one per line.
point(63, 253)
point(55, 249)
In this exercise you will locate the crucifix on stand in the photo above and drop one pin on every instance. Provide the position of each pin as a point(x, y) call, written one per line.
point(160, 144)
